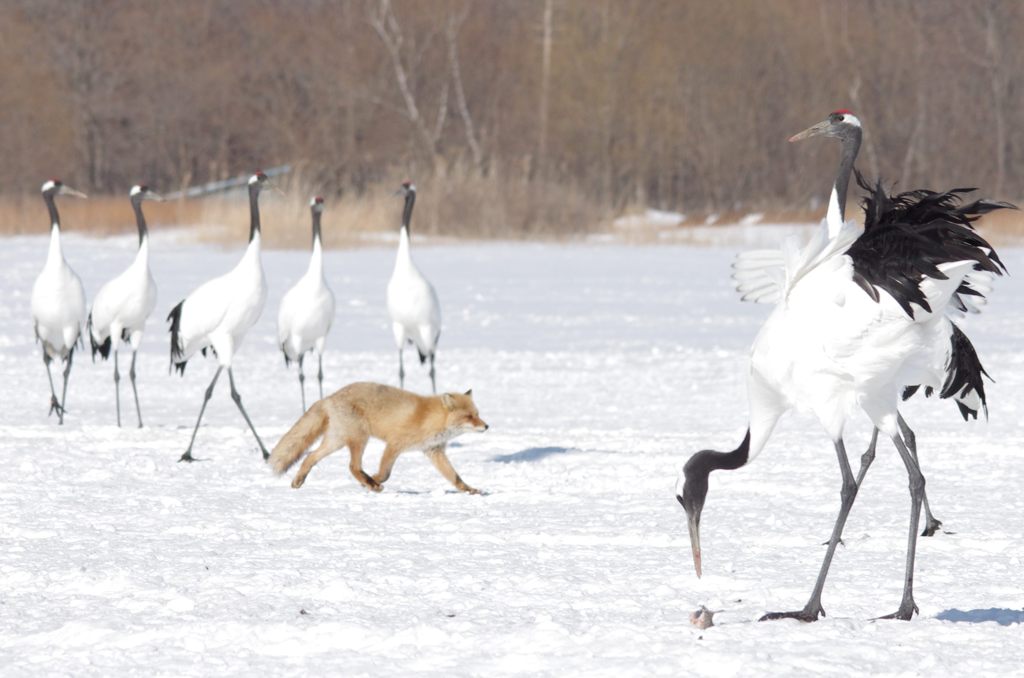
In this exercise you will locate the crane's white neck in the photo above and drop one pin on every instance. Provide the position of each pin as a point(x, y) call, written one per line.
point(253, 249)
point(316, 259)
point(834, 216)
point(55, 255)
point(142, 256)
point(404, 251)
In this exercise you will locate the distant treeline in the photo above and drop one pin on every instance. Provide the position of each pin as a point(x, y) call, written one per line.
point(570, 109)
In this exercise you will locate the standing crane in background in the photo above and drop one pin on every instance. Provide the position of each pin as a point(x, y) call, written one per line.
point(58, 300)
point(122, 306)
point(307, 310)
point(412, 301)
point(218, 313)
point(857, 318)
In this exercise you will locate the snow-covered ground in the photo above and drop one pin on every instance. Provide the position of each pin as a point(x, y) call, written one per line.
point(600, 368)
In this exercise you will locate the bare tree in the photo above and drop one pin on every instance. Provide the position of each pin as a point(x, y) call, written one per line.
point(454, 23)
point(385, 23)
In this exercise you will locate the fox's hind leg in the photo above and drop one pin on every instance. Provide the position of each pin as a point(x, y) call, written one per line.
point(329, 445)
point(439, 459)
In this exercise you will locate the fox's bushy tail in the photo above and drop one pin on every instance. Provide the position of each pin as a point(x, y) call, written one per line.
point(299, 437)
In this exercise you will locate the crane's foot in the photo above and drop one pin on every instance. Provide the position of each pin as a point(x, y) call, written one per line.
point(188, 457)
point(908, 608)
point(55, 406)
point(931, 527)
point(808, 614)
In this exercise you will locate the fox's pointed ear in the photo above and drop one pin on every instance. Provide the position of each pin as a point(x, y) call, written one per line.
point(448, 401)
point(469, 393)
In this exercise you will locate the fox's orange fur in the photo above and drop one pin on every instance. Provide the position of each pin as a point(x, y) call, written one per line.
point(403, 420)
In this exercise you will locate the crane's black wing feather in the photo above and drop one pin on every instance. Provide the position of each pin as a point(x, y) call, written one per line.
point(907, 237)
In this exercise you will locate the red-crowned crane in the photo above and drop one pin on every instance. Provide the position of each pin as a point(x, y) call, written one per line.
point(307, 310)
point(58, 300)
point(859, 311)
point(760, 275)
point(122, 306)
point(218, 313)
point(412, 301)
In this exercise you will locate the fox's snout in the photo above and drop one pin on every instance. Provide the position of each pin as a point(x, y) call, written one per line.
point(479, 425)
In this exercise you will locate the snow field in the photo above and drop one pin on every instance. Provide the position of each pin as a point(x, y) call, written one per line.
point(600, 369)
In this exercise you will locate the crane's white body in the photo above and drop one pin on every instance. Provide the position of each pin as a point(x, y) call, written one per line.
point(123, 304)
point(760, 276)
point(219, 312)
point(58, 302)
point(829, 349)
point(412, 303)
point(306, 311)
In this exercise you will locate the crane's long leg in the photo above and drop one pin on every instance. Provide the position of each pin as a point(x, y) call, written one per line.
point(55, 405)
point(302, 382)
point(64, 392)
point(931, 523)
point(401, 370)
point(433, 384)
point(320, 374)
point(238, 401)
point(135, 390)
point(117, 390)
point(206, 398)
point(812, 610)
point(907, 606)
point(867, 458)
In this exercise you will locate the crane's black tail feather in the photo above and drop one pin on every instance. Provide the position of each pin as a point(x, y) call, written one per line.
point(964, 378)
point(178, 360)
point(103, 348)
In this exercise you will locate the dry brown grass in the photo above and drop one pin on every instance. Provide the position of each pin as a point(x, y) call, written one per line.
point(1002, 228)
point(99, 215)
point(460, 204)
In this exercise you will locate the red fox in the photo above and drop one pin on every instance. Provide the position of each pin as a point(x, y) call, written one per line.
point(403, 420)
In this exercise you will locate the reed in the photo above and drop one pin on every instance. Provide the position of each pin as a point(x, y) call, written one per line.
point(459, 203)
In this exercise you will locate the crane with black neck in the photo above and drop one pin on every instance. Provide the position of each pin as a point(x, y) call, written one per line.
point(58, 300)
point(218, 314)
point(122, 306)
point(858, 312)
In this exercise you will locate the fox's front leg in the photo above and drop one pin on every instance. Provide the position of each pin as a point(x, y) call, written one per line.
point(355, 465)
point(439, 459)
point(387, 462)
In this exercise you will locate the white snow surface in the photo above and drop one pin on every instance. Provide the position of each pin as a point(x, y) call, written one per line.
point(601, 369)
point(650, 218)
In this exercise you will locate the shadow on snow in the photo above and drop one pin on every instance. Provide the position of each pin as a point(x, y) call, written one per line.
point(999, 615)
point(529, 454)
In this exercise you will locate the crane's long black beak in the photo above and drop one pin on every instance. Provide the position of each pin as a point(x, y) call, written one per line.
point(813, 131)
